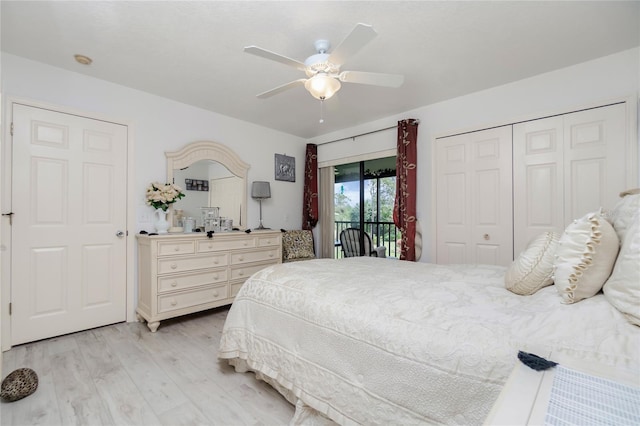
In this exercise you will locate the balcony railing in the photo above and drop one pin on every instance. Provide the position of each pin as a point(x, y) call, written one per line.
point(382, 234)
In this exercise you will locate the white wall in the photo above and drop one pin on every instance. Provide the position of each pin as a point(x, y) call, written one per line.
point(589, 83)
point(159, 125)
point(162, 125)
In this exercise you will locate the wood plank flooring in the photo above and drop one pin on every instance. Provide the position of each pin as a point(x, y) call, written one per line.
point(125, 375)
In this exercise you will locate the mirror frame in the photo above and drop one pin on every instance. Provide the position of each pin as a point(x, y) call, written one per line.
point(214, 151)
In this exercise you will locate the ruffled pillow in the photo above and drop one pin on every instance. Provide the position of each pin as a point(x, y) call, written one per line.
point(585, 257)
point(533, 269)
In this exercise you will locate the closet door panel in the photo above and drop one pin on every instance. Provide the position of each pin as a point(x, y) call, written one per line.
point(474, 198)
point(491, 191)
point(453, 202)
point(594, 159)
point(537, 179)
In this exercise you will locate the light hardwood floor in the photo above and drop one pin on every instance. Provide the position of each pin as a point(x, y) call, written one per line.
point(125, 375)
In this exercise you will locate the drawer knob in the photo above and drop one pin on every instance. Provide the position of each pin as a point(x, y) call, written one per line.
point(216, 261)
point(174, 265)
point(245, 243)
point(215, 277)
point(215, 293)
point(174, 303)
point(210, 245)
point(268, 242)
point(241, 272)
point(270, 254)
point(177, 248)
point(241, 258)
point(486, 237)
point(175, 283)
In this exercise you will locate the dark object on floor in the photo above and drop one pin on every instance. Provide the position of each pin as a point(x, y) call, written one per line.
point(248, 231)
point(535, 362)
point(19, 384)
point(153, 233)
point(143, 232)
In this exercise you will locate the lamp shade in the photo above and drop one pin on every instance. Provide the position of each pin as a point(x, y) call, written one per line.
point(260, 190)
point(321, 86)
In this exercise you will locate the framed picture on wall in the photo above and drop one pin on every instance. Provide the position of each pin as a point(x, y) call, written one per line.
point(285, 168)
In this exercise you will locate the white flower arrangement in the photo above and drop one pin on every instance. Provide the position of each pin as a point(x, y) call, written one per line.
point(161, 196)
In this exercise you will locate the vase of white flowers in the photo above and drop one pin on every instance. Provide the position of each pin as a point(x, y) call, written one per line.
point(160, 196)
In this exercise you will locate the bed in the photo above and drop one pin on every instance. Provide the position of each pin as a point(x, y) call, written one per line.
point(380, 341)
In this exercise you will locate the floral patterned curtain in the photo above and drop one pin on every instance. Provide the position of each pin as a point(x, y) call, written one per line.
point(404, 209)
point(310, 197)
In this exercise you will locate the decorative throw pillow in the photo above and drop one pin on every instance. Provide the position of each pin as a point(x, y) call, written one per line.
point(297, 245)
point(624, 211)
point(622, 289)
point(533, 269)
point(19, 384)
point(585, 257)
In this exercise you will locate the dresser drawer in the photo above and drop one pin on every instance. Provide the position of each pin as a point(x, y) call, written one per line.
point(244, 272)
point(178, 282)
point(175, 301)
point(169, 248)
point(182, 264)
point(270, 241)
point(235, 288)
point(225, 244)
point(255, 256)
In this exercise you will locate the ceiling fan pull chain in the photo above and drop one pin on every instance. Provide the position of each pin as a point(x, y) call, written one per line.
point(321, 111)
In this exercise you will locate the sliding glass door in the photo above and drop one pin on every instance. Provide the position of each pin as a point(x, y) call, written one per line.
point(364, 193)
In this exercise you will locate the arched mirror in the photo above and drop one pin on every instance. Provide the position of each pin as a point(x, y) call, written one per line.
point(211, 175)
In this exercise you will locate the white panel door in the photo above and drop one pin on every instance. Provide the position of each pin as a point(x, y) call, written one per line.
point(69, 202)
point(474, 198)
point(594, 159)
point(227, 193)
point(537, 179)
point(565, 167)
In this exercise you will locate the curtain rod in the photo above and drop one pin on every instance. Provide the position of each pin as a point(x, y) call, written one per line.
point(364, 134)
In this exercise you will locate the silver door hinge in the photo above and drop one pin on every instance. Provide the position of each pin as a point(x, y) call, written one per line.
point(10, 306)
point(11, 128)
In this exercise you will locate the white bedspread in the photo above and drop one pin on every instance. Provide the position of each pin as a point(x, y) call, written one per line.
point(380, 341)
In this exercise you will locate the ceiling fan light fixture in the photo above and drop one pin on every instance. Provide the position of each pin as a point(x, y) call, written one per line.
point(321, 86)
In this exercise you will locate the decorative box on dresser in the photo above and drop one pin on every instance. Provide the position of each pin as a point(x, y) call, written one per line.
point(179, 274)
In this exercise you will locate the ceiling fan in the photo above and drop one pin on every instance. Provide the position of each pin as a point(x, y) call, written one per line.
point(323, 69)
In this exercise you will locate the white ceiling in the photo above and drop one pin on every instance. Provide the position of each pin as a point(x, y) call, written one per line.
point(193, 51)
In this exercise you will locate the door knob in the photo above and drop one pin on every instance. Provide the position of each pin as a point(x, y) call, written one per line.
point(120, 234)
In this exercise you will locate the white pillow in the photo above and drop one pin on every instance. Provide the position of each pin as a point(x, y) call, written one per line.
point(533, 269)
point(584, 258)
point(624, 211)
point(622, 289)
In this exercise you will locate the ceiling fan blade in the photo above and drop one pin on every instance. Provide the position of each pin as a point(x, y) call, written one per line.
point(356, 40)
point(373, 78)
point(267, 54)
point(287, 86)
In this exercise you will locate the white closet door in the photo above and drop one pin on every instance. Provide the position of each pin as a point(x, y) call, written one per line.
point(474, 198)
point(594, 159)
point(564, 167)
point(537, 179)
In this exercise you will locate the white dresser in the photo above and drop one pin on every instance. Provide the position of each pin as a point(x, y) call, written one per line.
point(180, 274)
